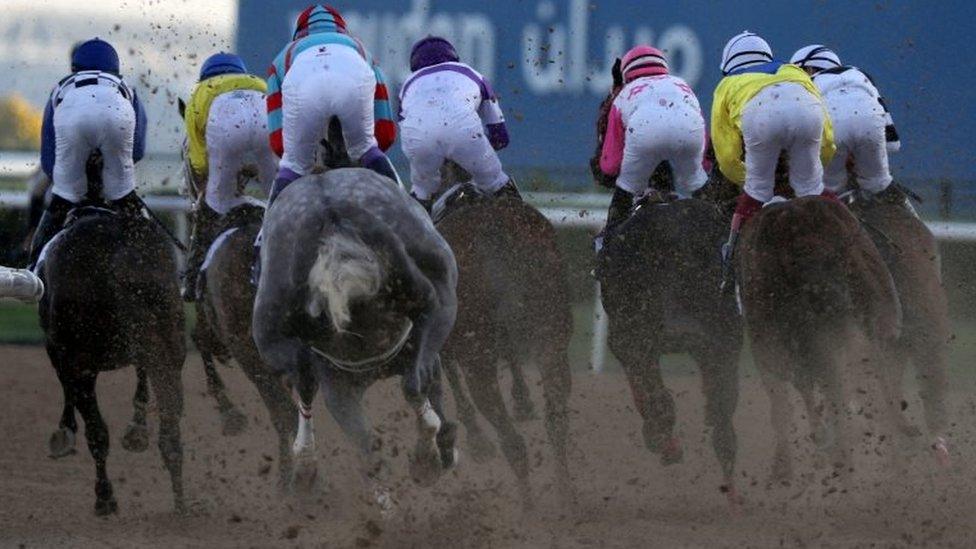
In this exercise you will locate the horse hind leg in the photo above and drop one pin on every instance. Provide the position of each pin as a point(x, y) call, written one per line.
point(136, 436)
point(62, 441)
point(523, 409)
point(720, 385)
point(556, 387)
point(772, 359)
point(931, 359)
point(98, 442)
point(234, 421)
point(435, 452)
point(164, 377)
point(281, 409)
point(653, 401)
point(482, 377)
point(481, 448)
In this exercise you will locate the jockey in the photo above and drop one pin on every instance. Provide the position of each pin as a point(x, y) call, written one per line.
point(762, 108)
point(863, 128)
point(448, 111)
point(90, 109)
point(654, 118)
point(226, 132)
point(325, 72)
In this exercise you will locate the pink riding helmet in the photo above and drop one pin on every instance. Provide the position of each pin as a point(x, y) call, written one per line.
point(643, 61)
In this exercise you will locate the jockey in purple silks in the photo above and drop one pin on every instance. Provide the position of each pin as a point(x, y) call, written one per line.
point(448, 111)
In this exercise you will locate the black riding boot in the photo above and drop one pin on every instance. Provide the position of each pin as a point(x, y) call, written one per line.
point(620, 206)
point(895, 194)
point(205, 225)
point(130, 205)
point(381, 164)
point(427, 203)
point(509, 189)
point(52, 220)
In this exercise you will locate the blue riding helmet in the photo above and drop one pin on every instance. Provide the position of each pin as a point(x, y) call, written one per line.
point(222, 63)
point(432, 51)
point(95, 55)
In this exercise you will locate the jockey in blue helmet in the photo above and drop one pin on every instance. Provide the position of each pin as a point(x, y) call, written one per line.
point(90, 109)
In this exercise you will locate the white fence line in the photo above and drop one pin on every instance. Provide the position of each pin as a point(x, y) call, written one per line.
point(565, 210)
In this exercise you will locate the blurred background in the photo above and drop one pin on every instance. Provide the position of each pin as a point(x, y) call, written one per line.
point(549, 62)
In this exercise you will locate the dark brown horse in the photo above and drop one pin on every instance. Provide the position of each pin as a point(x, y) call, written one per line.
point(912, 255)
point(659, 275)
point(822, 314)
point(112, 300)
point(513, 307)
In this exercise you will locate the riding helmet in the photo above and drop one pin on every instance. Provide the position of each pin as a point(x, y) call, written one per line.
point(643, 61)
point(318, 18)
point(222, 63)
point(95, 55)
point(745, 50)
point(815, 56)
point(432, 50)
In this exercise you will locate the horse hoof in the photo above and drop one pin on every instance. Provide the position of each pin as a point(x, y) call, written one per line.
point(61, 443)
point(524, 412)
point(383, 499)
point(480, 448)
point(446, 445)
point(105, 507)
point(235, 422)
point(672, 453)
point(305, 476)
point(941, 449)
point(136, 438)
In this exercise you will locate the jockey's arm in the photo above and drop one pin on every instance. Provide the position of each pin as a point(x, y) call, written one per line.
point(385, 128)
point(727, 140)
point(827, 146)
point(274, 111)
point(48, 140)
point(196, 140)
point(139, 140)
point(490, 112)
point(612, 153)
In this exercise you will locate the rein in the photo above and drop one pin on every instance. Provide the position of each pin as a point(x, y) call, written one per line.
point(369, 364)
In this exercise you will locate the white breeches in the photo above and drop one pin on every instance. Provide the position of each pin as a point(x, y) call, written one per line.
point(237, 136)
point(333, 80)
point(657, 135)
point(90, 118)
point(859, 132)
point(428, 141)
point(783, 117)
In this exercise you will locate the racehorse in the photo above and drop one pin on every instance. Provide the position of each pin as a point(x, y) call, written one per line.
point(357, 285)
point(822, 313)
point(912, 255)
point(514, 307)
point(223, 328)
point(659, 275)
point(112, 299)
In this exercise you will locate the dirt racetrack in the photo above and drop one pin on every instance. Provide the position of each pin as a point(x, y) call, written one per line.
point(626, 498)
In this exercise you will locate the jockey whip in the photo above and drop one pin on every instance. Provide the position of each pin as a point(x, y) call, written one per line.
point(151, 215)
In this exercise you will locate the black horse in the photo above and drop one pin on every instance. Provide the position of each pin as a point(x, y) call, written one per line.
point(357, 285)
point(659, 274)
point(113, 300)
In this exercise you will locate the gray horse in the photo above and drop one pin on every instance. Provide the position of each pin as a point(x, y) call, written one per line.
point(357, 285)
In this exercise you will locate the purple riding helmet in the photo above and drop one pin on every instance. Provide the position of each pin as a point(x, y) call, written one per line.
point(432, 50)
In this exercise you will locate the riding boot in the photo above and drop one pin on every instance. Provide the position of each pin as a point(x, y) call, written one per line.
point(620, 206)
point(285, 177)
point(509, 189)
point(894, 194)
point(746, 207)
point(377, 161)
point(129, 205)
point(52, 220)
point(205, 226)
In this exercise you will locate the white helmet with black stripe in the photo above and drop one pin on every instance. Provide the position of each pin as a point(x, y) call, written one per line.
point(815, 56)
point(745, 50)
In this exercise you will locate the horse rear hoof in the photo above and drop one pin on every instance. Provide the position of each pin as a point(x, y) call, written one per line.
point(235, 422)
point(61, 443)
point(106, 507)
point(446, 441)
point(672, 453)
point(941, 449)
point(136, 438)
point(304, 476)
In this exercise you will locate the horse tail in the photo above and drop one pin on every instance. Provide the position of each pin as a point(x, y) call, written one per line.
point(345, 269)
